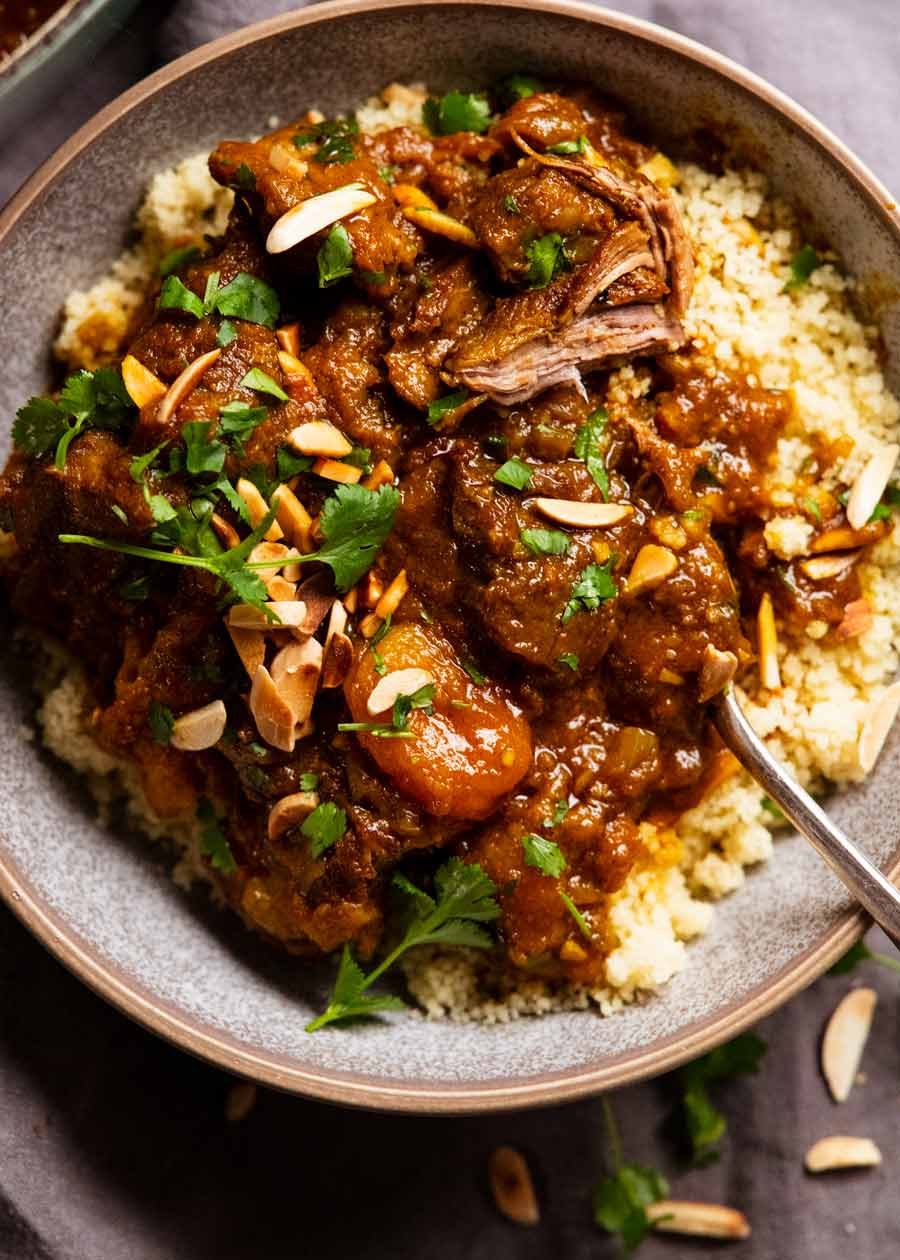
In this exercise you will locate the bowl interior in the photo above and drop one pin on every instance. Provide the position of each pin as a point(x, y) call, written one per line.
point(102, 899)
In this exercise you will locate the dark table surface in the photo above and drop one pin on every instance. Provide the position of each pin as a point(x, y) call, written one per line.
point(115, 1146)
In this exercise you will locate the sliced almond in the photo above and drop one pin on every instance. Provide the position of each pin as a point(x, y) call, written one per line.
point(399, 682)
point(876, 726)
point(199, 729)
point(409, 195)
point(351, 599)
point(290, 811)
point(857, 619)
point(183, 385)
point(295, 672)
point(512, 1187)
point(274, 551)
point(293, 518)
point(390, 601)
point(337, 622)
point(652, 565)
point(821, 568)
point(845, 539)
point(225, 531)
point(583, 515)
point(258, 508)
point(292, 567)
point(289, 338)
point(369, 625)
point(286, 161)
point(333, 470)
point(317, 437)
point(767, 644)
point(280, 590)
point(143, 386)
point(291, 614)
point(866, 492)
point(371, 588)
point(702, 1220)
point(272, 712)
point(299, 379)
point(381, 475)
point(441, 224)
point(316, 213)
point(716, 672)
point(337, 662)
point(830, 1153)
point(240, 1101)
point(250, 646)
point(845, 1039)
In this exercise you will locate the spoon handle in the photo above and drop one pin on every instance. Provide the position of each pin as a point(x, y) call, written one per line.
point(867, 884)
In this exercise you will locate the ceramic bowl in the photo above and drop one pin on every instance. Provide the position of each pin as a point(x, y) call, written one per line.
point(54, 53)
point(101, 901)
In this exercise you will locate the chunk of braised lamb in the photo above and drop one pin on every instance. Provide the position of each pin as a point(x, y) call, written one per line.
point(543, 119)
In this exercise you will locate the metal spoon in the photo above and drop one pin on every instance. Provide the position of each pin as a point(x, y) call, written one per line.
point(871, 889)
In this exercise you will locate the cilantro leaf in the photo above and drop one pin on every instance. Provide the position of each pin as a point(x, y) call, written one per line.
point(705, 1124)
point(176, 259)
point(244, 178)
point(621, 1201)
point(588, 447)
point(457, 111)
point(262, 382)
point(571, 659)
point(141, 463)
point(515, 472)
point(249, 298)
point(583, 926)
point(161, 721)
point(547, 258)
point(545, 542)
point(335, 139)
point(560, 809)
point(354, 523)
point(203, 454)
point(581, 145)
point(404, 705)
point(39, 425)
point(438, 409)
point(594, 587)
point(324, 827)
point(176, 296)
point(856, 954)
point(335, 257)
point(516, 87)
point(95, 400)
point(543, 854)
point(226, 334)
point(308, 781)
point(474, 673)
point(359, 457)
point(464, 898)
point(803, 264)
point(289, 465)
point(213, 841)
point(238, 420)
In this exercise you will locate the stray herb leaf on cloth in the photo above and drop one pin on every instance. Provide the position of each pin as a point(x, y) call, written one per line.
point(620, 1201)
point(705, 1124)
point(594, 587)
point(464, 899)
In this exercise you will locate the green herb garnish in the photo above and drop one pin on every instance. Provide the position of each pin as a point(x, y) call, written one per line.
point(203, 453)
point(771, 808)
point(324, 827)
point(88, 400)
point(464, 899)
point(858, 953)
point(543, 854)
point(560, 809)
point(474, 673)
point(263, 383)
point(404, 705)
point(581, 145)
point(588, 446)
point(515, 87)
point(545, 542)
point(438, 409)
point(705, 1124)
point(620, 1201)
point(571, 659)
point(335, 257)
point(510, 205)
point(803, 264)
point(244, 178)
point(334, 137)
point(176, 259)
point(289, 465)
point(457, 111)
point(594, 587)
point(308, 781)
point(246, 297)
point(226, 334)
point(161, 721)
point(515, 472)
point(213, 841)
point(547, 258)
point(813, 508)
point(583, 925)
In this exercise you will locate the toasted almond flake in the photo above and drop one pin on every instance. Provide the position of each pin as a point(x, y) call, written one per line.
point(142, 385)
point(272, 712)
point(289, 338)
point(601, 549)
point(289, 811)
point(441, 224)
point(337, 662)
point(669, 676)
point(333, 470)
point(371, 588)
point(316, 213)
point(821, 568)
point(351, 600)
point(295, 672)
point(866, 492)
point(258, 508)
point(337, 622)
point(299, 382)
point(845, 1039)
point(286, 161)
point(381, 475)
point(716, 672)
point(409, 195)
point(292, 567)
point(369, 624)
point(767, 644)
point(183, 385)
point(225, 531)
point(703, 1220)
point(317, 437)
point(293, 518)
point(392, 597)
point(240, 1101)
point(199, 729)
point(652, 566)
point(839, 1151)
point(318, 602)
point(512, 1187)
point(250, 646)
point(280, 589)
point(290, 613)
point(583, 515)
point(845, 539)
point(858, 618)
point(876, 725)
point(274, 551)
point(399, 682)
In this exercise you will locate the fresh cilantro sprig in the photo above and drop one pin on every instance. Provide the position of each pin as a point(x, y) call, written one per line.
point(571, 660)
point(334, 137)
point(705, 1124)
point(213, 841)
point(398, 726)
point(88, 400)
point(515, 473)
point(354, 524)
point(546, 259)
point(161, 721)
point(335, 257)
point(464, 899)
point(516, 87)
point(457, 111)
point(543, 854)
point(442, 407)
point(324, 827)
point(545, 542)
point(588, 447)
point(858, 953)
point(594, 587)
point(621, 1200)
point(803, 264)
point(245, 297)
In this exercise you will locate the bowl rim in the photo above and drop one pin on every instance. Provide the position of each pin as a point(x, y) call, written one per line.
point(162, 1016)
point(43, 43)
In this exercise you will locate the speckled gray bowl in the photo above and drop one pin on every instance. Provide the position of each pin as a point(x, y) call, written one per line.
point(102, 902)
